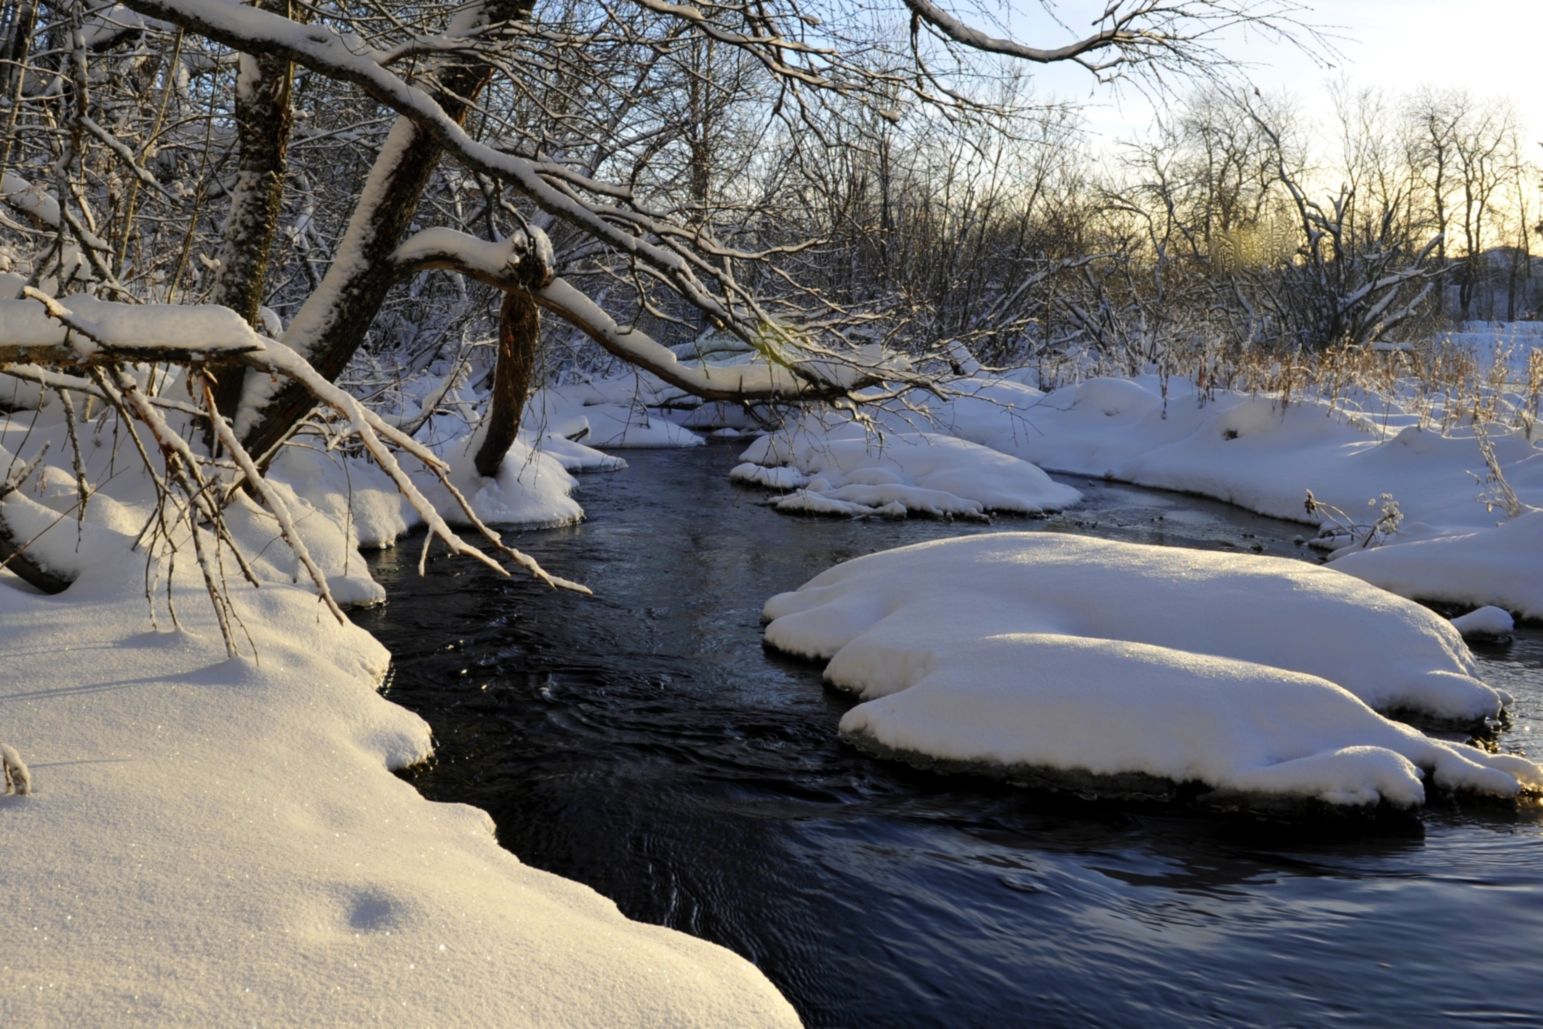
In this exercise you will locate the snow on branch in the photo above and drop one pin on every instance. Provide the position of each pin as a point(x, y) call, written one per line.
point(1129, 33)
point(523, 262)
point(759, 381)
point(1117, 33)
point(673, 253)
point(84, 331)
point(101, 337)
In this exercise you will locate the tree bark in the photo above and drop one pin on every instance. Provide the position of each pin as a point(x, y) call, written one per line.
point(263, 124)
point(332, 324)
point(519, 337)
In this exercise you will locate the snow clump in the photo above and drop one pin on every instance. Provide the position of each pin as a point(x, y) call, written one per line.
point(849, 472)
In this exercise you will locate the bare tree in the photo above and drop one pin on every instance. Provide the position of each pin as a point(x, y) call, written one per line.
point(172, 150)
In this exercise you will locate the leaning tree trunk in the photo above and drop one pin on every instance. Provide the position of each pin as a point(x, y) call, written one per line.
point(519, 335)
point(332, 324)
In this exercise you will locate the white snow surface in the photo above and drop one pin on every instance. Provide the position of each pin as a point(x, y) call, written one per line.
point(215, 841)
point(533, 488)
point(1485, 622)
point(191, 327)
point(1500, 565)
point(1249, 674)
point(1262, 454)
point(1250, 450)
point(611, 414)
point(848, 471)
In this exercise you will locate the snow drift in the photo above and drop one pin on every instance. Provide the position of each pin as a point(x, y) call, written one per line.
point(1043, 653)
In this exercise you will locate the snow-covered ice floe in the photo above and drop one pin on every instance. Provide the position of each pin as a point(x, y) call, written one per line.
point(850, 472)
point(1122, 668)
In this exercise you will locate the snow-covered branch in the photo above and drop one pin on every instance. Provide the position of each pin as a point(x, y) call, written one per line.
point(508, 265)
point(624, 229)
point(83, 331)
point(89, 334)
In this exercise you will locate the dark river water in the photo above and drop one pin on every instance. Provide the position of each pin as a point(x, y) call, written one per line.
point(643, 742)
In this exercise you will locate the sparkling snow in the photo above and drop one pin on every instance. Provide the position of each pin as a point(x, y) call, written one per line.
point(1253, 676)
point(212, 841)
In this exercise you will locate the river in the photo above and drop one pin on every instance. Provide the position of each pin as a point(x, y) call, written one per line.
point(643, 741)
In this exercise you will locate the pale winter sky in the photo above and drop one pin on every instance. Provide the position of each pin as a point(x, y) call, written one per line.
point(1492, 48)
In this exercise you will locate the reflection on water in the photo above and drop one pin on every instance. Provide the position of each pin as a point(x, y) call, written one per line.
point(643, 742)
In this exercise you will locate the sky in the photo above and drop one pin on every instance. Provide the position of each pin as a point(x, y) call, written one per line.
point(1491, 48)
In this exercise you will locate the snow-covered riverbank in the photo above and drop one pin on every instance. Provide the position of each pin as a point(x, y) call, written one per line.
point(218, 841)
point(1453, 543)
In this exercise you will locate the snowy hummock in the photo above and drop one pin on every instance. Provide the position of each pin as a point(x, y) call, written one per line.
point(212, 840)
point(531, 489)
point(1263, 453)
point(1500, 565)
point(850, 472)
point(1043, 652)
point(1485, 623)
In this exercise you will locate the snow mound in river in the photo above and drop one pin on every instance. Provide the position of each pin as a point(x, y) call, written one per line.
point(1249, 675)
point(848, 472)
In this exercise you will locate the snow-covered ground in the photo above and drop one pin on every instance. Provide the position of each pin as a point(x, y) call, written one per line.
point(1452, 543)
point(608, 414)
point(1500, 565)
point(1265, 455)
point(213, 841)
point(1122, 669)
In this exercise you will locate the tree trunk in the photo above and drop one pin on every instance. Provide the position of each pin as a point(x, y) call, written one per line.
point(519, 337)
point(263, 123)
point(332, 324)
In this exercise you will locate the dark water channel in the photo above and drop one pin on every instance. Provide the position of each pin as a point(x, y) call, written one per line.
point(643, 742)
